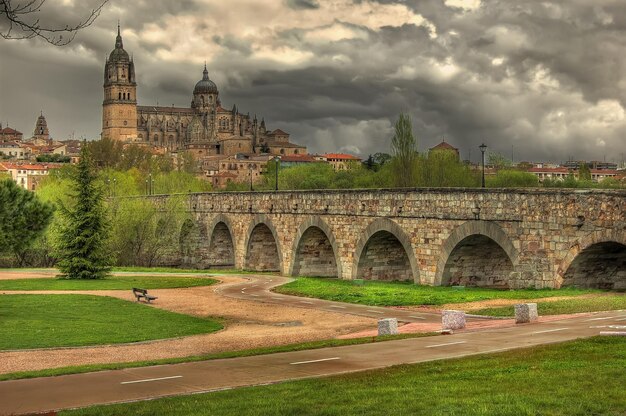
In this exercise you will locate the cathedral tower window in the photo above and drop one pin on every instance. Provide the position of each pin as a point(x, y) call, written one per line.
point(119, 95)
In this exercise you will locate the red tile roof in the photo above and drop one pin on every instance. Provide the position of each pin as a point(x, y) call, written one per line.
point(297, 158)
point(279, 132)
point(549, 170)
point(341, 156)
point(9, 130)
point(444, 146)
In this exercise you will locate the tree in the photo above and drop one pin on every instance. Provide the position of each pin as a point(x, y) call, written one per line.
point(404, 150)
point(23, 219)
point(83, 237)
point(22, 20)
point(584, 173)
point(265, 148)
point(498, 161)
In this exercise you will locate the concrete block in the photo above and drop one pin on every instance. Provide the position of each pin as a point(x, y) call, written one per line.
point(453, 319)
point(388, 326)
point(525, 313)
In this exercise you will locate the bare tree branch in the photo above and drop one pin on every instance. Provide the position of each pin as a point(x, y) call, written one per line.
point(21, 21)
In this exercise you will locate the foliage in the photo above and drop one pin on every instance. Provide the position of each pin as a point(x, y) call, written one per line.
point(23, 218)
point(584, 173)
point(53, 158)
point(82, 247)
point(143, 234)
point(107, 153)
point(512, 179)
point(43, 321)
point(498, 161)
point(404, 150)
point(576, 378)
point(408, 293)
point(443, 169)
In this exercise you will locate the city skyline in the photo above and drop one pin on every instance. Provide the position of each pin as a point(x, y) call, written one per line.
point(336, 74)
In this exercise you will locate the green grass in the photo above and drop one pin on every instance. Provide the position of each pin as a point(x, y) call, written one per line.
point(584, 377)
point(312, 345)
point(407, 293)
point(110, 283)
point(40, 321)
point(137, 269)
point(559, 307)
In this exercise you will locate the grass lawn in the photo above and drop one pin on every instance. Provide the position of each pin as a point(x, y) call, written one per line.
point(38, 321)
point(312, 345)
point(600, 303)
point(110, 283)
point(584, 377)
point(407, 293)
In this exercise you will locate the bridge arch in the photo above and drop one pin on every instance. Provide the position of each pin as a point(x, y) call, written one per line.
point(597, 260)
point(314, 250)
point(262, 249)
point(477, 253)
point(221, 242)
point(385, 252)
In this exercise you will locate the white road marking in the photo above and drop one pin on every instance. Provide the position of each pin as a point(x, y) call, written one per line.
point(369, 310)
point(416, 317)
point(601, 319)
point(443, 345)
point(549, 330)
point(336, 306)
point(149, 379)
point(315, 361)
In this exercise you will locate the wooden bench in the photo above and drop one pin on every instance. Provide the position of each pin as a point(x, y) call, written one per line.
point(143, 293)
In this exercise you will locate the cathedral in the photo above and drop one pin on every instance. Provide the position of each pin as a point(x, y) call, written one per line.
point(205, 128)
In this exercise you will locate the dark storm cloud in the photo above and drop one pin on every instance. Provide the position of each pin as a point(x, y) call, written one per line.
point(544, 77)
point(303, 4)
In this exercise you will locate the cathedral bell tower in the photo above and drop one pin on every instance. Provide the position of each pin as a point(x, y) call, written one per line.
point(119, 108)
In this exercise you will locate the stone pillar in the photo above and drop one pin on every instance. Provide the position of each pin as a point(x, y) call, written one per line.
point(452, 319)
point(525, 313)
point(388, 326)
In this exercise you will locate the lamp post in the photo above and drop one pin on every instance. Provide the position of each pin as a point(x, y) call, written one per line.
point(250, 170)
point(482, 148)
point(277, 165)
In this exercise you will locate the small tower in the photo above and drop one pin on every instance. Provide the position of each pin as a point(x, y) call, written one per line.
point(41, 129)
point(119, 108)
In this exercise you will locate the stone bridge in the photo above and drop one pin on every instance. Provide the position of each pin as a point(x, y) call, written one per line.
point(508, 238)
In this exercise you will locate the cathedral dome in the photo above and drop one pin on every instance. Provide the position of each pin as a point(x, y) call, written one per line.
point(205, 85)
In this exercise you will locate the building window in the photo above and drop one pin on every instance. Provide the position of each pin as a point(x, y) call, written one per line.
point(119, 95)
point(125, 122)
point(282, 151)
point(156, 137)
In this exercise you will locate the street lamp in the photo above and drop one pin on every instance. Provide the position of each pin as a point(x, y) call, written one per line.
point(277, 165)
point(482, 148)
point(250, 170)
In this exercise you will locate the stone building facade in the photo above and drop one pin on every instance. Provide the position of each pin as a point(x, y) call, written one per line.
point(493, 238)
point(205, 128)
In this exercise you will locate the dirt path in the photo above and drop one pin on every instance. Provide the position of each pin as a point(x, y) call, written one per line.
point(249, 324)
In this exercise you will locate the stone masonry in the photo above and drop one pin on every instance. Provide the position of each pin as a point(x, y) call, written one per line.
point(475, 237)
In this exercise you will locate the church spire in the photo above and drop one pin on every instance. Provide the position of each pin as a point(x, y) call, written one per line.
point(118, 39)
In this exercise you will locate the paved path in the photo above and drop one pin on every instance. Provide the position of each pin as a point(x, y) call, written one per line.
point(36, 395)
point(258, 289)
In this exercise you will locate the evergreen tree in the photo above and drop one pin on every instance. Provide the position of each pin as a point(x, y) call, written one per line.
point(404, 149)
point(23, 219)
point(83, 237)
point(584, 173)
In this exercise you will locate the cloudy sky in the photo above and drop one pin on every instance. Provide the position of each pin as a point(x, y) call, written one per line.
point(544, 79)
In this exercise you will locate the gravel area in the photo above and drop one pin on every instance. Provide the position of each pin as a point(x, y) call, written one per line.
point(249, 324)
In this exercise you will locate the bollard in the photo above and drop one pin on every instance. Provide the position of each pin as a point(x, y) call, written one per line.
point(388, 326)
point(453, 319)
point(525, 313)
